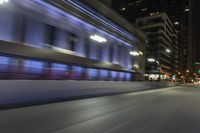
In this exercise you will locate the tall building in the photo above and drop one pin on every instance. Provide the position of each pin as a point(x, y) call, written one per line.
point(194, 39)
point(177, 10)
point(132, 9)
point(162, 49)
point(67, 40)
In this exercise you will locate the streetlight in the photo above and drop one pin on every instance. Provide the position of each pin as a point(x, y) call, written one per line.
point(3, 1)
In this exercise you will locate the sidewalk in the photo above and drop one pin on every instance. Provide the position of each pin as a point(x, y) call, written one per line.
point(14, 93)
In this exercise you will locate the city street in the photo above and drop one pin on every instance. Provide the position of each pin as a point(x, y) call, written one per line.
point(171, 110)
point(104, 66)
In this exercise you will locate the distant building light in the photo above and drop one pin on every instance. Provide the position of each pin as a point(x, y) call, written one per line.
point(98, 38)
point(158, 62)
point(3, 1)
point(176, 23)
point(187, 9)
point(144, 9)
point(168, 50)
point(136, 66)
point(140, 52)
point(151, 60)
point(154, 13)
point(134, 53)
point(123, 9)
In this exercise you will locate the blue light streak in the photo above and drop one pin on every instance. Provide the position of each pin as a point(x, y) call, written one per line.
point(104, 74)
point(96, 15)
point(58, 66)
point(128, 76)
point(114, 75)
point(4, 60)
point(35, 67)
point(59, 13)
point(92, 73)
point(121, 75)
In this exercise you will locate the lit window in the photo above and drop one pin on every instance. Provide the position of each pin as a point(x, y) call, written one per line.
point(123, 9)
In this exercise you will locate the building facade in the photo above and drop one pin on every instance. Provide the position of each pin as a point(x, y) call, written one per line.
point(194, 40)
point(177, 11)
point(66, 40)
point(162, 50)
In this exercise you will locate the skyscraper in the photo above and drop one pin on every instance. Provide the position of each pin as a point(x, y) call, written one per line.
point(177, 10)
point(194, 39)
point(162, 49)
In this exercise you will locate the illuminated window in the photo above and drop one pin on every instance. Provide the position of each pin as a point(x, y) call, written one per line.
point(4, 62)
point(104, 74)
point(92, 73)
point(114, 75)
point(35, 67)
point(122, 75)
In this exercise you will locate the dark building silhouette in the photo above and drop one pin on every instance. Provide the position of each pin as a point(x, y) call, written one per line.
point(54, 39)
point(194, 37)
point(177, 10)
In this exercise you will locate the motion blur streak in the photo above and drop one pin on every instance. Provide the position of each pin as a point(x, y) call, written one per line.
point(173, 110)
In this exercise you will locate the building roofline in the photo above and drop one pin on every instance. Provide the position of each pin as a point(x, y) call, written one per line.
point(116, 18)
point(153, 16)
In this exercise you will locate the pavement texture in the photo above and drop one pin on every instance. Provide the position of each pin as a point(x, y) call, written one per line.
point(171, 110)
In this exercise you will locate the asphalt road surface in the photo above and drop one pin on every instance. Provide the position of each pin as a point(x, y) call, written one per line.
point(171, 110)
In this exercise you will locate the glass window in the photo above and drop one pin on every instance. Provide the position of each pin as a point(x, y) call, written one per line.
point(72, 41)
point(87, 48)
point(51, 34)
point(92, 73)
point(111, 54)
point(35, 67)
